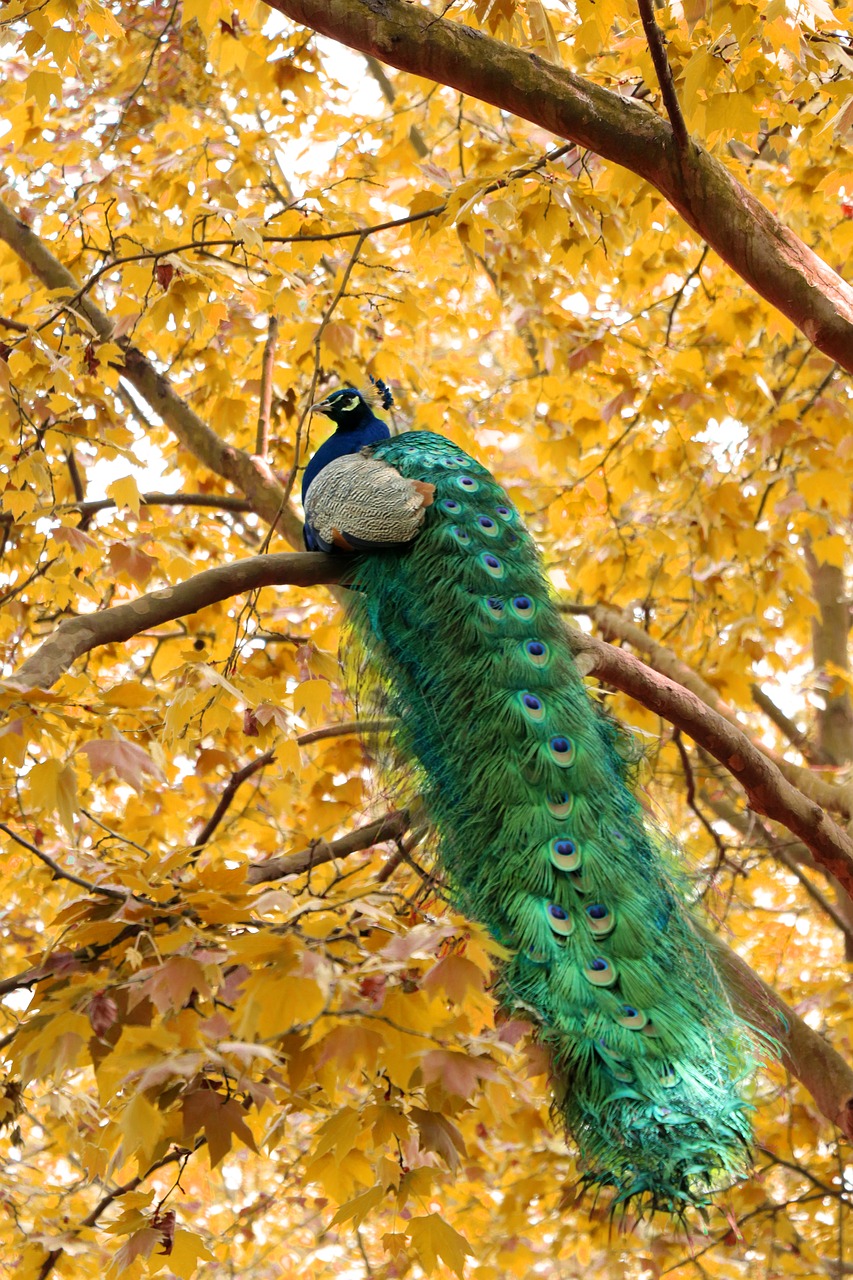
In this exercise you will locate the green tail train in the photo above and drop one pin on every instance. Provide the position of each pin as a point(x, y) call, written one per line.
point(543, 841)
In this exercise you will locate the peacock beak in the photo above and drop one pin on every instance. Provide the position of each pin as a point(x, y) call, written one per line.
point(320, 406)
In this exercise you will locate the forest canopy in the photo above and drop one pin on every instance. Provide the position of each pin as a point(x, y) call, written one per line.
point(599, 246)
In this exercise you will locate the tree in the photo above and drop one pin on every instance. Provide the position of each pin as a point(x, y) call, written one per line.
point(242, 1032)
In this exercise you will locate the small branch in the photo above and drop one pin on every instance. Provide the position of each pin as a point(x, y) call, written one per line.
point(228, 793)
point(390, 827)
point(267, 372)
point(180, 1153)
point(241, 775)
point(690, 783)
point(344, 729)
point(792, 732)
point(663, 71)
point(318, 338)
point(220, 501)
point(119, 895)
point(691, 275)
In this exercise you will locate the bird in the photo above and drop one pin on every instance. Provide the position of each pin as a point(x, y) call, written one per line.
point(526, 781)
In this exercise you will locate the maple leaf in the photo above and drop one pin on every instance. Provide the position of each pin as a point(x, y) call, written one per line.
point(125, 759)
point(433, 1238)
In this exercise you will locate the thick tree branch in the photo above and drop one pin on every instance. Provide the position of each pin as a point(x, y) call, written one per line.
point(614, 623)
point(769, 257)
point(76, 636)
point(767, 789)
point(250, 475)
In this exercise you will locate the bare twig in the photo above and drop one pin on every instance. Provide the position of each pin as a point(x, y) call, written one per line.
point(106, 891)
point(663, 71)
point(180, 1153)
point(119, 895)
point(228, 793)
point(267, 372)
point(792, 732)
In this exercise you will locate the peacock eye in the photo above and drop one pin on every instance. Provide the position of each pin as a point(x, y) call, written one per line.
point(522, 603)
point(559, 919)
point(504, 512)
point(537, 652)
point(597, 911)
point(467, 483)
point(450, 504)
point(560, 804)
point(563, 854)
point(562, 750)
point(487, 525)
point(461, 535)
point(491, 564)
point(532, 702)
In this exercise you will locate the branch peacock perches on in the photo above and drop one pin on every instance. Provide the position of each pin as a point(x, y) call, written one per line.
point(539, 833)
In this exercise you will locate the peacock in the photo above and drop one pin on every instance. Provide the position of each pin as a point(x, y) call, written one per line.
point(525, 782)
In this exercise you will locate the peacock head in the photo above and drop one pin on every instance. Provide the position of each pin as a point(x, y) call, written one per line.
point(350, 408)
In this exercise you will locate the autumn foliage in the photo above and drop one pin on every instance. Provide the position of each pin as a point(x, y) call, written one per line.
point(242, 1033)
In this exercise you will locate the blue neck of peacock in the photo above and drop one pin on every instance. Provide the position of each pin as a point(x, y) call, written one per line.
point(349, 438)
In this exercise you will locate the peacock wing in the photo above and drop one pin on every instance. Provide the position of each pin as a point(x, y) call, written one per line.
point(359, 503)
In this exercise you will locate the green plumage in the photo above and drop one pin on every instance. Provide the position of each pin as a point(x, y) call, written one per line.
point(543, 841)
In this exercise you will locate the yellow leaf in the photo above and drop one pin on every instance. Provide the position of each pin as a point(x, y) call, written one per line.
point(831, 550)
point(432, 1239)
point(44, 85)
point(125, 493)
point(53, 786)
point(142, 1124)
point(312, 698)
point(187, 1252)
point(357, 1209)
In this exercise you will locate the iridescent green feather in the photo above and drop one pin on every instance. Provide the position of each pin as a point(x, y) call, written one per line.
point(543, 841)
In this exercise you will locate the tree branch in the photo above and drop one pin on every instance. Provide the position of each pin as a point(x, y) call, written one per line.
point(267, 373)
point(663, 71)
point(822, 1071)
point(767, 789)
point(768, 256)
point(76, 636)
point(254, 479)
point(389, 827)
point(120, 895)
point(615, 623)
point(786, 725)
